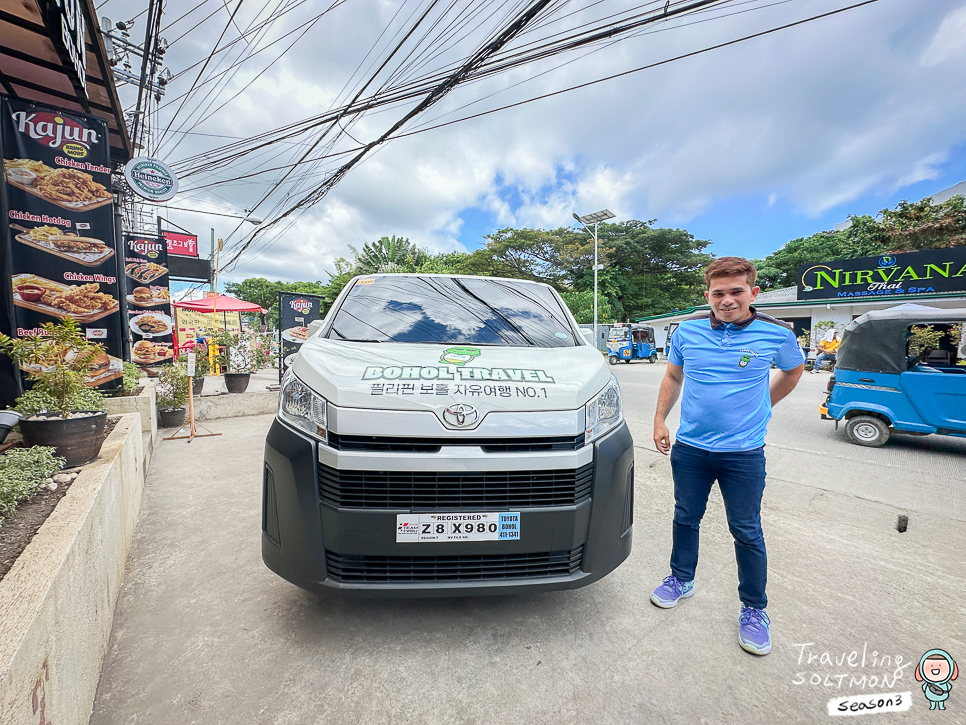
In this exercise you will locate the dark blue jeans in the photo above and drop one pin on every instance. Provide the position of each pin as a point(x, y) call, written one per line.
point(741, 477)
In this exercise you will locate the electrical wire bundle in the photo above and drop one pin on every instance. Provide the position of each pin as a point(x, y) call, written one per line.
point(416, 62)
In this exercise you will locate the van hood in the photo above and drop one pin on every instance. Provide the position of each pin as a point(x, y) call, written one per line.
point(401, 376)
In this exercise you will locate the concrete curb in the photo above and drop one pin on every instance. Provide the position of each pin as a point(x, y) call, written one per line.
point(57, 602)
point(235, 405)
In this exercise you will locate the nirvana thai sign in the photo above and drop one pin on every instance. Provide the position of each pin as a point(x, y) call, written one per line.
point(915, 273)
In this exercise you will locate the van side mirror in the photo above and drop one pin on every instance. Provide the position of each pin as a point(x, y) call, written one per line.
point(314, 327)
point(588, 335)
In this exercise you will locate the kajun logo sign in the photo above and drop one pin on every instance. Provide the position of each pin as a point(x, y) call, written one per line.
point(915, 273)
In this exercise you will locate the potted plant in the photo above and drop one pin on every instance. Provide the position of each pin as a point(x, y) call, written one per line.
point(59, 410)
point(172, 395)
point(201, 368)
point(240, 354)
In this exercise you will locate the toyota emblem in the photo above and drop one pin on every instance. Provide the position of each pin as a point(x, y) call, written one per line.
point(461, 415)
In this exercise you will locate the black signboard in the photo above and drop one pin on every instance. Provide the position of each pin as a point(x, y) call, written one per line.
point(148, 300)
point(59, 255)
point(295, 313)
point(913, 273)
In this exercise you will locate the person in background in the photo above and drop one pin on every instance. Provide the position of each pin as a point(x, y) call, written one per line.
point(827, 349)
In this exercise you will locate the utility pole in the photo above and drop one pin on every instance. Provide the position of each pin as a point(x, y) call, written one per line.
point(151, 83)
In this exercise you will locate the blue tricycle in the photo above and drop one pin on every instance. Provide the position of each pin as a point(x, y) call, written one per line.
point(885, 381)
point(631, 342)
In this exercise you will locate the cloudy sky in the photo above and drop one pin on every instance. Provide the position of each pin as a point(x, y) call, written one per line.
point(747, 146)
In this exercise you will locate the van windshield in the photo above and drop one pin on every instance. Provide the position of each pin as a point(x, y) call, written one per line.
point(452, 310)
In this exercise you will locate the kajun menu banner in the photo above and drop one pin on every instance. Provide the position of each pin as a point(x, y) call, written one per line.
point(295, 313)
point(148, 300)
point(59, 258)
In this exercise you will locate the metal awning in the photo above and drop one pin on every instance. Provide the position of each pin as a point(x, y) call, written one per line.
point(35, 65)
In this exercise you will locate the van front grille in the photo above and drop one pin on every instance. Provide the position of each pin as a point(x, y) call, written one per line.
point(400, 444)
point(454, 490)
point(452, 568)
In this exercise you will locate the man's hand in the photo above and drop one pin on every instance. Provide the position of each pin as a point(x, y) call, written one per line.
point(666, 398)
point(662, 437)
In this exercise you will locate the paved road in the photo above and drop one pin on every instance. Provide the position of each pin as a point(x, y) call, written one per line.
point(914, 473)
point(204, 633)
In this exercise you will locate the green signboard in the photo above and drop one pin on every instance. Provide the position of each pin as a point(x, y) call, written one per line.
point(915, 273)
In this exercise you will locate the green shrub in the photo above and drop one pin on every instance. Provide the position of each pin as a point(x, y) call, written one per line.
point(173, 386)
point(22, 473)
point(36, 401)
point(132, 375)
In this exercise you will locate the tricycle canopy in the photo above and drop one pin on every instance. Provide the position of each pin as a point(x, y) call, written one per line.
point(876, 341)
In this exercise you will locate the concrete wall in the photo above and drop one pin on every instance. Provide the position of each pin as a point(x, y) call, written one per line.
point(234, 405)
point(143, 403)
point(57, 602)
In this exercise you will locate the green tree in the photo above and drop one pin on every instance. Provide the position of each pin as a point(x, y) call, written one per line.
point(924, 225)
point(539, 255)
point(264, 293)
point(648, 271)
point(388, 254)
point(581, 305)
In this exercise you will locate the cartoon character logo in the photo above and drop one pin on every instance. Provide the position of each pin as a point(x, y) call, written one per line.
point(745, 359)
point(936, 671)
point(459, 355)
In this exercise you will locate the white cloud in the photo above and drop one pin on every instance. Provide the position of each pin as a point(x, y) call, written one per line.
point(815, 116)
point(949, 42)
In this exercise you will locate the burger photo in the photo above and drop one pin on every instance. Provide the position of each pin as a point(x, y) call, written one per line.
point(142, 294)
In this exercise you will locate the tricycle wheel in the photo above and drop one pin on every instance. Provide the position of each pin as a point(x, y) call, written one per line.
point(865, 430)
point(612, 360)
point(653, 358)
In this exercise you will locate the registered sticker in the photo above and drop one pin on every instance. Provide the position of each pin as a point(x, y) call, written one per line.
point(492, 526)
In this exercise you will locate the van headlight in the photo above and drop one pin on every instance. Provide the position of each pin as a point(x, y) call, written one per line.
point(300, 407)
point(603, 412)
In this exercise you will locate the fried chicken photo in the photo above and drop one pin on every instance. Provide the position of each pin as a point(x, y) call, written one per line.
point(71, 185)
point(80, 299)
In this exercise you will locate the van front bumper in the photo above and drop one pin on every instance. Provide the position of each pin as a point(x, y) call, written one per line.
point(319, 545)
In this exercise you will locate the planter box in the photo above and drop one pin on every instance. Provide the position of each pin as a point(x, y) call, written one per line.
point(143, 403)
point(57, 602)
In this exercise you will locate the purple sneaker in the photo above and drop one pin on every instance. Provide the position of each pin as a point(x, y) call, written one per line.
point(673, 589)
point(753, 633)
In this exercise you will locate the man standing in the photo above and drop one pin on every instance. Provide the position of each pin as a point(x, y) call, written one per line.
point(722, 360)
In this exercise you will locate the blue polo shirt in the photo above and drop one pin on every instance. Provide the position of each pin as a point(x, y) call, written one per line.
point(725, 403)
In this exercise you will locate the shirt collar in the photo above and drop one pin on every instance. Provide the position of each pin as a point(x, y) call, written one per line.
point(716, 323)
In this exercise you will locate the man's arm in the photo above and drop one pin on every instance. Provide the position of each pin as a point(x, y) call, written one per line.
point(666, 398)
point(784, 382)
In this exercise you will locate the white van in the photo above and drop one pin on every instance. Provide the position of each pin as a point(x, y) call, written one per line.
point(447, 435)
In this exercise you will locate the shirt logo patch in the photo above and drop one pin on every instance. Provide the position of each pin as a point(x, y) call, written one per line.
point(746, 358)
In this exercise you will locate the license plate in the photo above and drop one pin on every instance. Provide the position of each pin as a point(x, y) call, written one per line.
point(494, 526)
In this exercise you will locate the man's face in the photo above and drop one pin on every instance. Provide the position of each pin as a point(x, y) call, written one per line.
point(730, 297)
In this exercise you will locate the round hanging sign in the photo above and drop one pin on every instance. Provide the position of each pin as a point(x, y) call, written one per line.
point(151, 178)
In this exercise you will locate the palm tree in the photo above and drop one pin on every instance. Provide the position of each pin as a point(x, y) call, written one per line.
point(389, 254)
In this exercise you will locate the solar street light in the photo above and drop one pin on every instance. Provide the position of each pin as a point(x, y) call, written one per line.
point(595, 218)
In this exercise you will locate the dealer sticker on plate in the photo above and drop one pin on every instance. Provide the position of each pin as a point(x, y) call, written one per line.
point(493, 526)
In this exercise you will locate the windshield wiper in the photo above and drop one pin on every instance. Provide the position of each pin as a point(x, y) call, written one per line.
point(352, 339)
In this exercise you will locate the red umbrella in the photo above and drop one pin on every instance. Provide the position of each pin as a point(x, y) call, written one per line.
point(221, 303)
